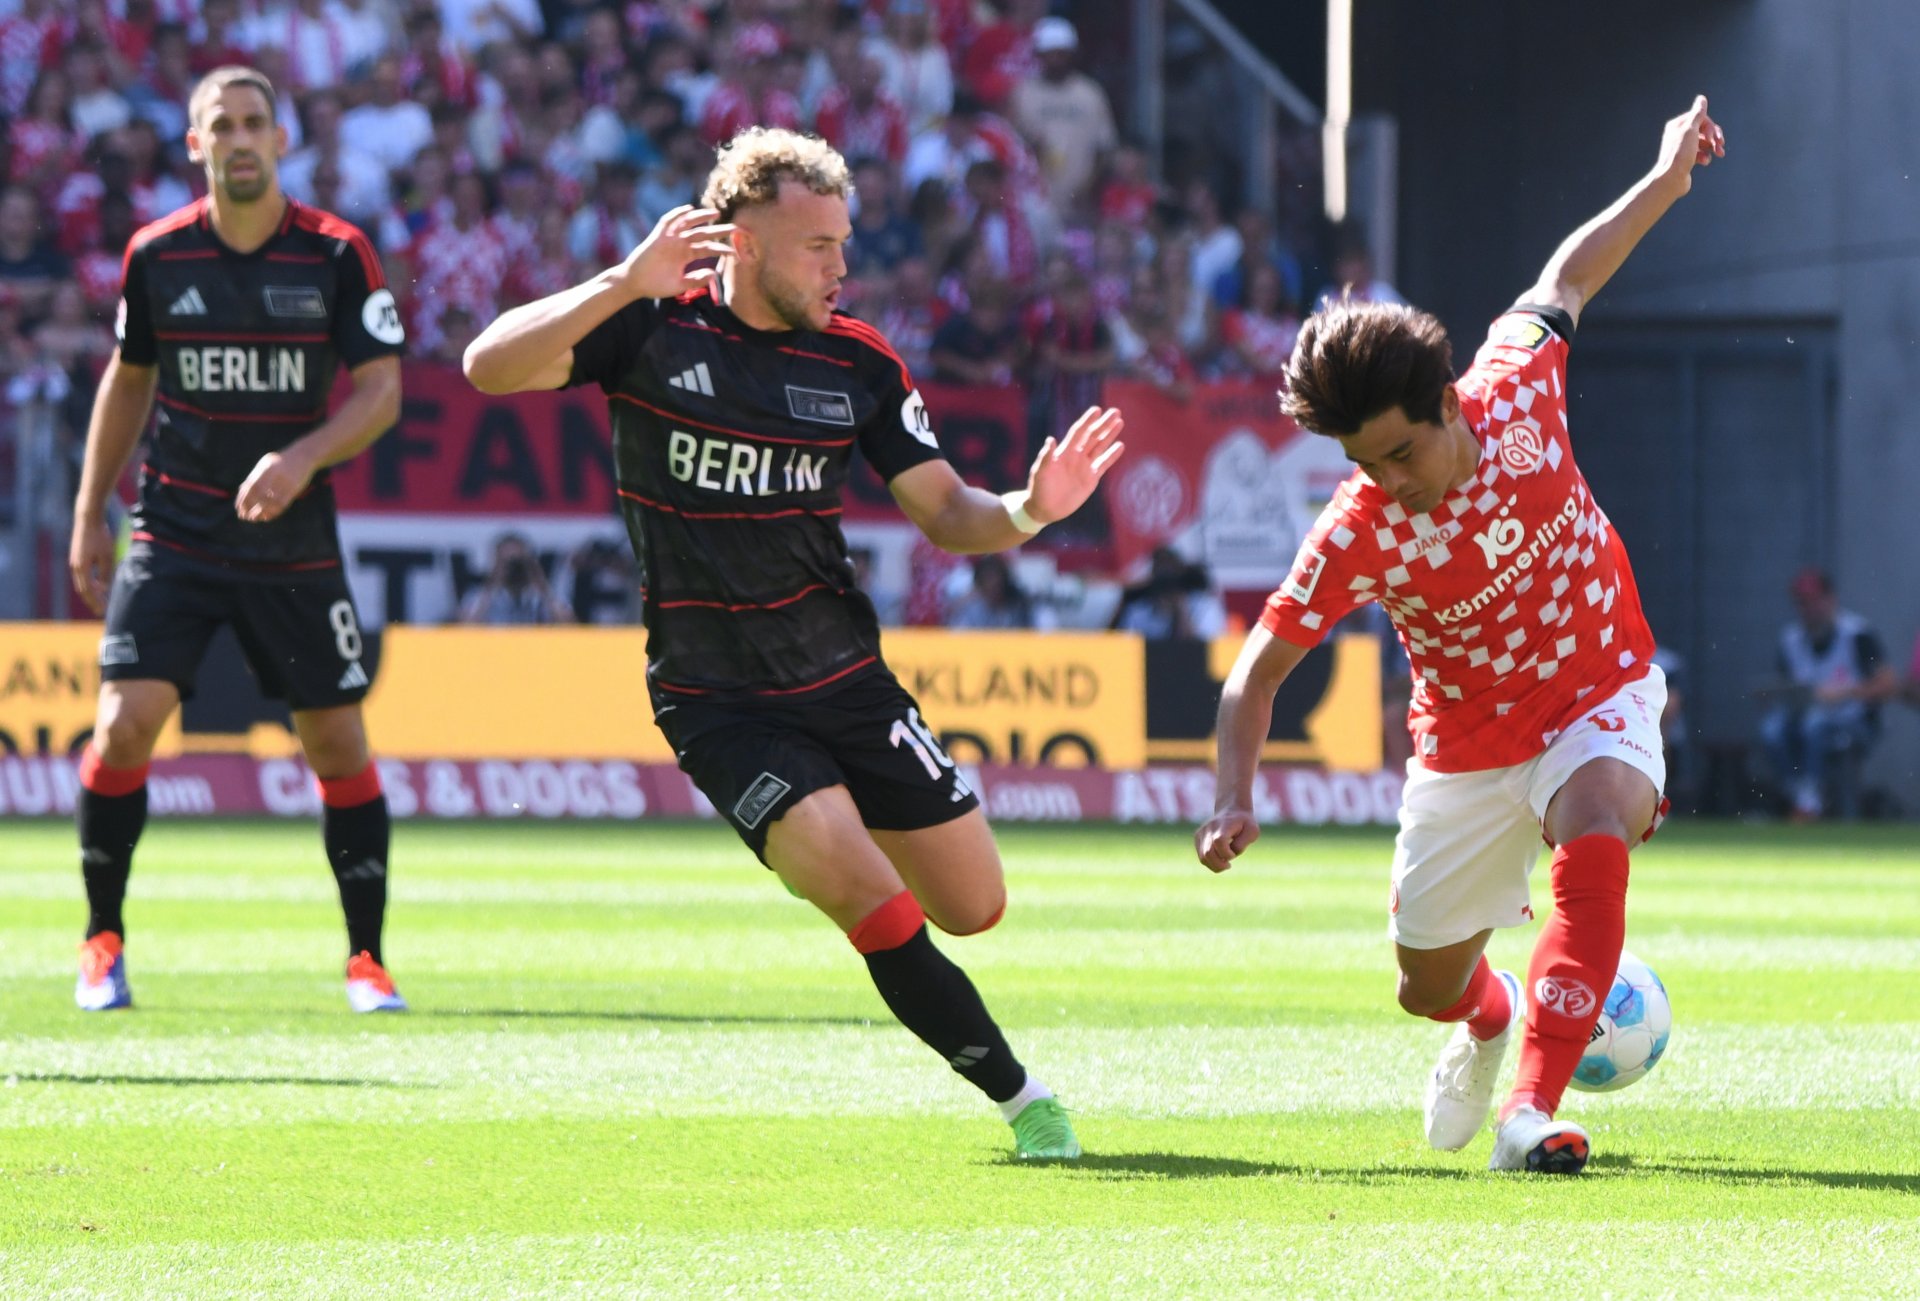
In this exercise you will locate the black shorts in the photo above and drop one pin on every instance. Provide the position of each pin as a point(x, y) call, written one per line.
point(757, 759)
point(301, 635)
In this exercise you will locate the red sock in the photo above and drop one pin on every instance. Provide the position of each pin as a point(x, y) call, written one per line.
point(1485, 1006)
point(1572, 967)
point(102, 780)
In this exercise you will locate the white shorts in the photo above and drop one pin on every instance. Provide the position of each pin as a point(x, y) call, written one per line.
point(1468, 840)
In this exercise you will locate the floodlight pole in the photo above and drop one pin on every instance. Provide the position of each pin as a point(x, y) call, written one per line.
point(1333, 132)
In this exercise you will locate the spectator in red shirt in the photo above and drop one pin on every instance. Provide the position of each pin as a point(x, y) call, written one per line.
point(1260, 332)
point(42, 144)
point(1128, 195)
point(913, 315)
point(98, 270)
point(1002, 56)
point(999, 224)
point(860, 119)
point(29, 42)
point(217, 38)
point(750, 96)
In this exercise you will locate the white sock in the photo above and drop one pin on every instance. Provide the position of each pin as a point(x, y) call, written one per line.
point(1032, 1091)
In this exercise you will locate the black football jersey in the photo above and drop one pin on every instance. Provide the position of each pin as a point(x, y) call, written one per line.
point(731, 448)
point(247, 346)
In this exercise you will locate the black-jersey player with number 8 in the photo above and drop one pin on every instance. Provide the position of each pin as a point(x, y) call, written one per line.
point(739, 395)
point(235, 314)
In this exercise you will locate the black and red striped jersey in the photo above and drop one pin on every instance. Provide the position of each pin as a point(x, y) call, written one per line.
point(247, 346)
point(731, 447)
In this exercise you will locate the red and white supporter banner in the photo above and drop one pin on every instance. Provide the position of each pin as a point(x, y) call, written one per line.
point(1224, 474)
point(226, 785)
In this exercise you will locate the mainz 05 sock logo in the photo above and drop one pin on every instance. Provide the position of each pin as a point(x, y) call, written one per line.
point(1566, 996)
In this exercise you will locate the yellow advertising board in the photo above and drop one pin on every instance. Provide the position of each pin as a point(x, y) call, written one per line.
point(514, 693)
point(49, 684)
point(1069, 699)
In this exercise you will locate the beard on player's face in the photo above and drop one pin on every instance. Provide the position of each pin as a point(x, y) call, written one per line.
point(797, 309)
point(250, 187)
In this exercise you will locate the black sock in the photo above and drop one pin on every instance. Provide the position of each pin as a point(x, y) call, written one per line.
point(934, 999)
point(110, 826)
point(357, 839)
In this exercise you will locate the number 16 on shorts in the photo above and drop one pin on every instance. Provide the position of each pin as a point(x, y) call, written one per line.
point(911, 733)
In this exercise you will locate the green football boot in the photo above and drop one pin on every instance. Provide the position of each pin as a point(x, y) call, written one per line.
point(1041, 1132)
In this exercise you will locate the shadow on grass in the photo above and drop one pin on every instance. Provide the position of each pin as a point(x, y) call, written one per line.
point(1732, 1172)
point(1174, 1165)
point(187, 1081)
point(642, 1017)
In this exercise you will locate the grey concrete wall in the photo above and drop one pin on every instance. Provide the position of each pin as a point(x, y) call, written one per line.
point(1520, 120)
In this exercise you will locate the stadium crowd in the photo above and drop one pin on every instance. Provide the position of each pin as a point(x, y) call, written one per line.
point(497, 150)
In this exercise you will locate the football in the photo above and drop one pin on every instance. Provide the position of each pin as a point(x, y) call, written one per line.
point(1631, 1033)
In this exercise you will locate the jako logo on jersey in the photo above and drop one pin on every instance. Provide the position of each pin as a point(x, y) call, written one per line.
point(722, 465)
point(1521, 449)
point(1564, 995)
point(189, 303)
point(913, 414)
point(242, 370)
point(382, 319)
point(1501, 538)
point(1305, 576)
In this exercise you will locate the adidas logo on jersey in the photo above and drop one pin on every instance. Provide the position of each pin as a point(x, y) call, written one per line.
point(355, 676)
point(696, 380)
point(189, 303)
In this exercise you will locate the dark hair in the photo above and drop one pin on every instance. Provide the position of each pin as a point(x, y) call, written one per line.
point(1355, 361)
point(233, 74)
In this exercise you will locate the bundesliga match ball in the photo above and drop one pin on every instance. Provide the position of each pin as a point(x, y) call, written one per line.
point(1631, 1033)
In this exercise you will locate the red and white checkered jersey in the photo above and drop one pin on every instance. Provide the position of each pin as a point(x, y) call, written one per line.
point(1513, 598)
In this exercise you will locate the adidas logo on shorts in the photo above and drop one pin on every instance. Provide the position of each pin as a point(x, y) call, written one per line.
point(355, 676)
point(189, 303)
point(695, 379)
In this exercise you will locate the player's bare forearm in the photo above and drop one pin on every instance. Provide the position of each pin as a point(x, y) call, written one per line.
point(369, 411)
point(955, 516)
point(280, 477)
point(119, 417)
point(1246, 715)
point(1588, 258)
point(972, 521)
point(528, 346)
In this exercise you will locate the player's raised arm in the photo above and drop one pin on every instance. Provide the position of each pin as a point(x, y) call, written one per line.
point(119, 415)
point(1587, 259)
point(1246, 715)
point(531, 347)
point(973, 521)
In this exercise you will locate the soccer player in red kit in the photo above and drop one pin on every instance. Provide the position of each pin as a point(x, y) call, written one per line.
point(1536, 703)
point(739, 396)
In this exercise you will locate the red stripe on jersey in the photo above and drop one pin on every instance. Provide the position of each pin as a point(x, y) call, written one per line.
point(705, 328)
point(784, 691)
point(238, 564)
point(188, 484)
point(846, 327)
point(294, 257)
point(239, 336)
point(724, 429)
point(173, 221)
point(716, 514)
point(265, 417)
point(817, 356)
point(186, 254)
point(808, 590)
point(325, 223)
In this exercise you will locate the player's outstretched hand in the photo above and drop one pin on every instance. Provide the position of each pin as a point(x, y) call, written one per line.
point(1224, 837)
point(1691, 140)
point(1068, 470)
point(90, 560)
point(276, 483)
point(658, 268)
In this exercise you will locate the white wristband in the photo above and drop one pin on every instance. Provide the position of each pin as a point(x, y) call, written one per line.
point(1016, 504)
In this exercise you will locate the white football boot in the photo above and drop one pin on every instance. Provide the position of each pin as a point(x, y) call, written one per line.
point(1460, 1090)
point(1529, 1141)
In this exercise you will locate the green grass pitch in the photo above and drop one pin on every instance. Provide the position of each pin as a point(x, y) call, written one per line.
point(636, 1067)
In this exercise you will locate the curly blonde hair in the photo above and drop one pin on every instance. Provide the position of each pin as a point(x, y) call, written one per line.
point(749, 168)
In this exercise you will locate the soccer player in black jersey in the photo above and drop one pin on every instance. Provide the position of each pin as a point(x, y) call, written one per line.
point(738, 395)
point(235, 313)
